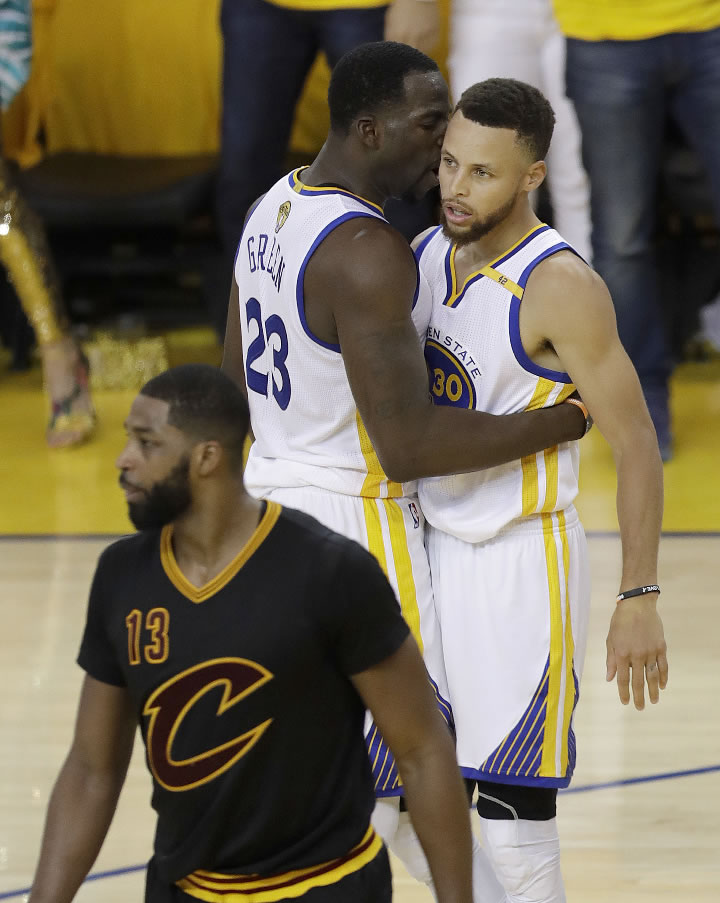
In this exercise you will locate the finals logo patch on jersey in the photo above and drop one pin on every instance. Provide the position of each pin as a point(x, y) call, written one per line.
point(283, 214)
point(450, 382)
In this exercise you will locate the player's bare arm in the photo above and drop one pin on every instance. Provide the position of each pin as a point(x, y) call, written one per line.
point(399, 696)
point(86, 792)
point(567, 314)
point(232, 362)
point(358, 290)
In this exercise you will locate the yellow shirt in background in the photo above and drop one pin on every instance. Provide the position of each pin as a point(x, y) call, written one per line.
point(633, 20)
point(143, 77)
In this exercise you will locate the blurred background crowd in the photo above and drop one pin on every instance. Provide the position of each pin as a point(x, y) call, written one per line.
point(136, 134)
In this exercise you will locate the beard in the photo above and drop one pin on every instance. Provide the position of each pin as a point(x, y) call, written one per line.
point(165, 502)
point(480, 227)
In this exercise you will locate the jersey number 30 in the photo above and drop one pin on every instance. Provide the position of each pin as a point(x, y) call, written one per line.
point(258, 381)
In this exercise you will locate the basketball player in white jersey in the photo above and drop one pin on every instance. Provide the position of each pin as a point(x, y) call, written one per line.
point(518, 320)
point(325, 328)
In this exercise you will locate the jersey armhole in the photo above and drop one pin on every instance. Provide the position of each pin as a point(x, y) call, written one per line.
point(521, 356)
point(300, 288)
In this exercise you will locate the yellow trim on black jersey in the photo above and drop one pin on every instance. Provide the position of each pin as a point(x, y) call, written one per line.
point(301, 188)
point(488, 270)
point(201, 593)
point(216, 887)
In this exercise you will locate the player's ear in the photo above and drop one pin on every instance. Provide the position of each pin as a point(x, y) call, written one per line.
point(535, 175)
point(206, 457)
point(369, 130)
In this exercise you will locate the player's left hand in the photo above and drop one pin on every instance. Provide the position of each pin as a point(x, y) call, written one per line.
point(636, 642)
point(414, 22)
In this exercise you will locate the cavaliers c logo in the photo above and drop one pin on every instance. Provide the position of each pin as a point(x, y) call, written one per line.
point(283, 214)
point(170, 703)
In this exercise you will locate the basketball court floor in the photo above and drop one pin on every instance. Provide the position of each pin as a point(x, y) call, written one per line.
point(641, 821)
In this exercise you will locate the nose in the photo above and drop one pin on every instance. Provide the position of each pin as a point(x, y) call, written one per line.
point(123, 461)
point(459, 184)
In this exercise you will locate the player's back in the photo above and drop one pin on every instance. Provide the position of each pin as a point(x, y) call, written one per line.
point(308, 431)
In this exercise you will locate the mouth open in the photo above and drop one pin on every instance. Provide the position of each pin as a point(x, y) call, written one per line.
point(456, 214)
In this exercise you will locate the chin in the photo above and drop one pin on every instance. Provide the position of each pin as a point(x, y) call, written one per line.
point(458, 235)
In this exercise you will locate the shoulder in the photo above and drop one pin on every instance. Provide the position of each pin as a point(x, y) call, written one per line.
point(565, 282)
point(362, 251)
point(126, 553)
point(566, 300)
point(420, 243)
point(564, 270)
point(312, 540)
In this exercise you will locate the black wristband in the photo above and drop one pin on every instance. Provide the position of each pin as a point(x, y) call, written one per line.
point(638, 591)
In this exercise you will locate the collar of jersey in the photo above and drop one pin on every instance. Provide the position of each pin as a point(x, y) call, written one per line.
point(454, 293)
point(201, 593)
point(300, 188)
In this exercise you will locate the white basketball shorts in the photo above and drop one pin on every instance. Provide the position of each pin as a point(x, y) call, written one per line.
point(514, 614)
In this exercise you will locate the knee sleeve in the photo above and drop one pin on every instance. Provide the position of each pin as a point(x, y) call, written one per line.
point(526, 858)
point(486, 886)
point(406, 846)
point(507, 801)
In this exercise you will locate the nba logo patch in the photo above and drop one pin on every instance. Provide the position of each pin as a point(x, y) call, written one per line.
point(415, 514)
point(283, 214)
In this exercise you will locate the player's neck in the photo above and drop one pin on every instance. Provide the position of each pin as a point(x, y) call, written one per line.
point(214, 531)
point(499, 240)
point(333, 166)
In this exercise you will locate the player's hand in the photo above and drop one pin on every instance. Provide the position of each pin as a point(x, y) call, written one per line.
point(414, 22)
point(636, 643)
point(576, 401)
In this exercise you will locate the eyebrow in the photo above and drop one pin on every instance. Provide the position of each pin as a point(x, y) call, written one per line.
point(129, 428)
point(431, 113)
point(472, 165)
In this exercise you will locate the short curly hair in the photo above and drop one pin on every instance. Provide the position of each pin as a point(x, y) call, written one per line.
point(505, 103)
point(204, 404)
point(371, 77)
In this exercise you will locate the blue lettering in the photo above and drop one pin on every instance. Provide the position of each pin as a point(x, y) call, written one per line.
point(262, 244)
point(280, 271)
point(272, 259)
point(251, 254)
point(448, 341)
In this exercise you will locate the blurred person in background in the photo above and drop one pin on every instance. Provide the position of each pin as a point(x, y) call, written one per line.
point(26, 258)
point(269, 48)
point(628, 67)
point(520, 39)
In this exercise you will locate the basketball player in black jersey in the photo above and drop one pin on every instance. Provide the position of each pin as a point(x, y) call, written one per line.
point(246, 640)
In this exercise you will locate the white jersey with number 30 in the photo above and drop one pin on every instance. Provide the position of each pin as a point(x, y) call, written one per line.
point(477, 361)
point(308, 431)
